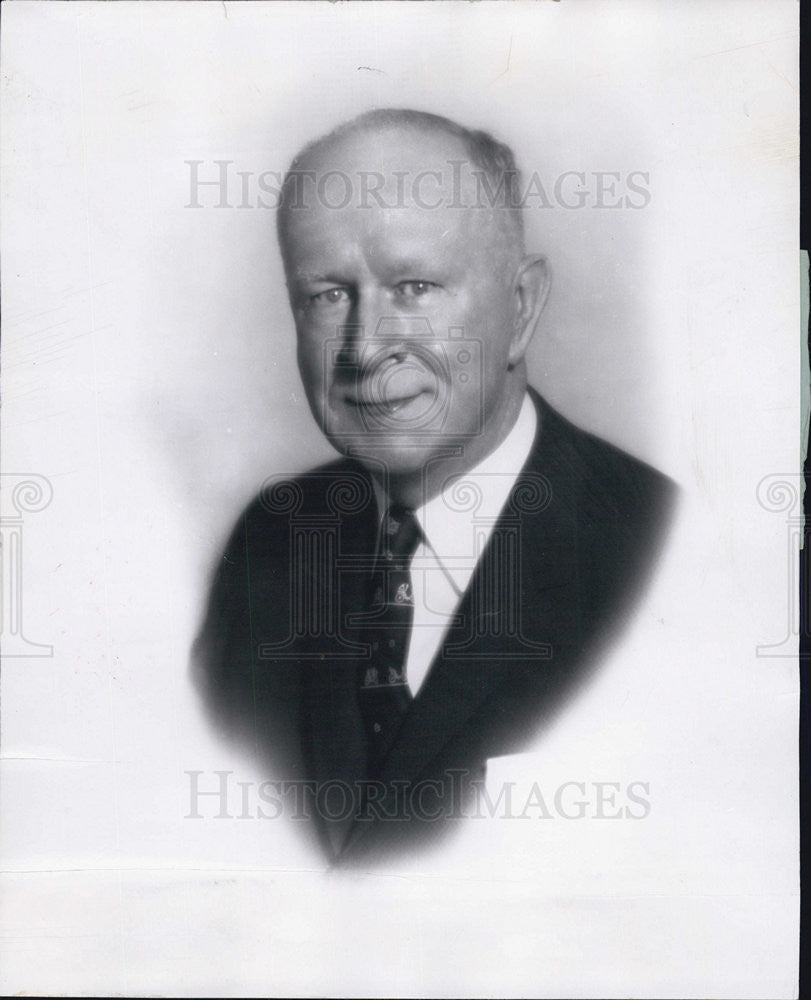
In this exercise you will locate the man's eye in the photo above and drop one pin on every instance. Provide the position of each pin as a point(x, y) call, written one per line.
point(414, 289)
point(330, 296)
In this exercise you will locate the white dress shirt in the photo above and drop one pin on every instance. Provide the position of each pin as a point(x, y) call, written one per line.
point(456, 525)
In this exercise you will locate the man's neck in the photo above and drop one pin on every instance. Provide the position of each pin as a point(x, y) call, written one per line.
point(416, 489)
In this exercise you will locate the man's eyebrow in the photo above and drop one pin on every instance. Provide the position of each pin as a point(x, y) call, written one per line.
point(415, 264)
point(316, 278)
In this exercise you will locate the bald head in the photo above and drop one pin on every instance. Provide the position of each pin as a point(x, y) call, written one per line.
point(401, 158)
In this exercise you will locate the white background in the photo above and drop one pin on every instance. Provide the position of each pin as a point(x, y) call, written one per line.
point(149, 374)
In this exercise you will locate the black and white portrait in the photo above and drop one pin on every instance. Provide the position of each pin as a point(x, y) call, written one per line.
point(400, 500)
point(385, 623)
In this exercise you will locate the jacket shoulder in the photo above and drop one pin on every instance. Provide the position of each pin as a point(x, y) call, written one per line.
point(609, 479)
point(334, 487)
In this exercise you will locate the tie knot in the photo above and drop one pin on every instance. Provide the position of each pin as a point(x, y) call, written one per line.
point(401, 532)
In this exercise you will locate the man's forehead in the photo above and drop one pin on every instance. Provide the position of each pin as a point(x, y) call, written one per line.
point(392, 233)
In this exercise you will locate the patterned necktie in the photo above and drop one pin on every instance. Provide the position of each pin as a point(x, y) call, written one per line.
point(384, 693)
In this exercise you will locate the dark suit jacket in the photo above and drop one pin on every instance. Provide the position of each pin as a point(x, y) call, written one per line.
point(279, 652)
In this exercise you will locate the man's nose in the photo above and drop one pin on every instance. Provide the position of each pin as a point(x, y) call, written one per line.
point(373, 333)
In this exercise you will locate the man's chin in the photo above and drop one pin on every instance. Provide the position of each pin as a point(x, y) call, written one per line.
point(397, 455)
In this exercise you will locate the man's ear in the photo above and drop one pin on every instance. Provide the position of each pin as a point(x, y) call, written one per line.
point(533, 279)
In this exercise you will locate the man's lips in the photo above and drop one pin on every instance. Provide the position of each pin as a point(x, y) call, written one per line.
point(388, 403)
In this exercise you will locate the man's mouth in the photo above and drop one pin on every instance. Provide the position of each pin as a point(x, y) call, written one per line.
point(384, 406)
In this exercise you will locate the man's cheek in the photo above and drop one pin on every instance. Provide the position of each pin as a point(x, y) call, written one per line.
point(313, 368)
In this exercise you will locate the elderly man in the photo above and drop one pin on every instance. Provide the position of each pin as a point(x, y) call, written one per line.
point(382, 626)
